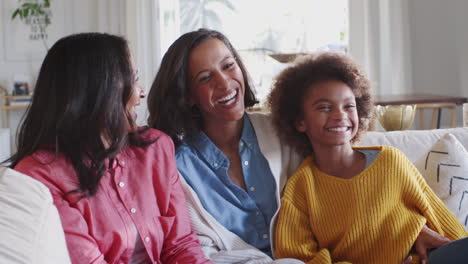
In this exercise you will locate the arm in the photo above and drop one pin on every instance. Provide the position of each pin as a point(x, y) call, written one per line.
point(81, 245)
point(218, 243)
point(181, 244)
point(294, 239)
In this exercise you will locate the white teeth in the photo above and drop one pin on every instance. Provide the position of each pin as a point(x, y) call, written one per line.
point(337, 129)
point(227, 97)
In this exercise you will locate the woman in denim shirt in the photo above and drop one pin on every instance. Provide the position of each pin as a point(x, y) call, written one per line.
point(233, 163)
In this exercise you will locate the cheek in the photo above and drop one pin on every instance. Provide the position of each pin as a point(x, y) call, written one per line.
point(199, 95)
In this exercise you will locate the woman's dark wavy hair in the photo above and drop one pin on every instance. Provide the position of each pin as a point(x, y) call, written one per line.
point(287, 95)
point(168, 99)
point(80, 97)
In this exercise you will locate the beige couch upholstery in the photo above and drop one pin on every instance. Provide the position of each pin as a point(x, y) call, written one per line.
point(414, 143)
point(30, 227)
point(440, 156)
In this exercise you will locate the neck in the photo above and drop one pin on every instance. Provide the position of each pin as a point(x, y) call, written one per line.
point(225, 135)
point(340, 161)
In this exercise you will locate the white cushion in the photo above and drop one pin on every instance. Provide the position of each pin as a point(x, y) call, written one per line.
point(445, 168)
point(30, 227)
point(414, 143)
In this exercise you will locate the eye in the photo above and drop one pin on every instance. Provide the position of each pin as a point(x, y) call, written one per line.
point(324, 108)
point(136, 76)
point(348, 106)
point(204, 78)
point(229, 65)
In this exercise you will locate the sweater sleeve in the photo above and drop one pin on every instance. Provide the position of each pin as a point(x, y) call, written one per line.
point(441, 219)
point(294, 237)
point(438, 216)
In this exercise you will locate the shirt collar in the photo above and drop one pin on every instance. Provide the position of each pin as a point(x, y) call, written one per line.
point(212, 154)
point(248, 133)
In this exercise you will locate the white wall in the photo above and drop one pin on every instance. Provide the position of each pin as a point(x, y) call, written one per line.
point(439, 53)
point(69, 17)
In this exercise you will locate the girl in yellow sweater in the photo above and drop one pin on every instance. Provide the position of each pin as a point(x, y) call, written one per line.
point(346, 204)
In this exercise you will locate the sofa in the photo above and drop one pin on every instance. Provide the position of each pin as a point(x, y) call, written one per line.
point(30, 227)
point(440, 155)
point(4, 144)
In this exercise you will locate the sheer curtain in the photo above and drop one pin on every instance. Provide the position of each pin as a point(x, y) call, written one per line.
point(380, 41)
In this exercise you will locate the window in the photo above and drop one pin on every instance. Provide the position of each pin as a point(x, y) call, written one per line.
point(260, 29)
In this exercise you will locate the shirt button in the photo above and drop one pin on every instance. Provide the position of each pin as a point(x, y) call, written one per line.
point(121, 184)
point(257, 213)
point(122, 163)
point(241, 143)
point(215, 164)
point(246, 163)
point(252, 189)
point(133, 210)
point(265, 236)
point(147, 239)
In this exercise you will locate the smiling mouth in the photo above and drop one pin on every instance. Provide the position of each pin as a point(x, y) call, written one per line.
point(338, 129)
point(228, 99)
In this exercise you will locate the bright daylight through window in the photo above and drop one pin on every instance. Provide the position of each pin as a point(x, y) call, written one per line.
point(262, 30)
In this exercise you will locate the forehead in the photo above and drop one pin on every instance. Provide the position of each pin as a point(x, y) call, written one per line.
point(209, 52)
point(330, 89)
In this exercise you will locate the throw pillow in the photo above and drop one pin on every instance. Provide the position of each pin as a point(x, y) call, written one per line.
point(445, 168)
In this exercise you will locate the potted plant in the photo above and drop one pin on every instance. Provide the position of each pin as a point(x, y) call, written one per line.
point(35, 13)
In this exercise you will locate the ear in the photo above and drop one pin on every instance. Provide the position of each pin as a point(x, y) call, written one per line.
point(300, 126)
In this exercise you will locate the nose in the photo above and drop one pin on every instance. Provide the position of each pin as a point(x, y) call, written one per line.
point(222, 80)
point(142, 93)
point(339, 114)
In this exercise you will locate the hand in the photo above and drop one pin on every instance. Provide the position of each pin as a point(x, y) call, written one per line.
point(407, 260)
point(428, 239)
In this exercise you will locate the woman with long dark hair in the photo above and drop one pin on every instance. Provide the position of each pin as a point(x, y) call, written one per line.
point(115, 185)
point(233, 163)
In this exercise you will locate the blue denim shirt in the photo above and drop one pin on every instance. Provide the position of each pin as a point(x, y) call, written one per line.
point(246, 213)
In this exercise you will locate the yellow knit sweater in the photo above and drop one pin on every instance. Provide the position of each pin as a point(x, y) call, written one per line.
point(375, 217)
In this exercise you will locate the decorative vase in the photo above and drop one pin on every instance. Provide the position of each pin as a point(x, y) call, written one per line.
point(395, 117)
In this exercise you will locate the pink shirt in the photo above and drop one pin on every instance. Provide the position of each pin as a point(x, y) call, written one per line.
point(141, 189)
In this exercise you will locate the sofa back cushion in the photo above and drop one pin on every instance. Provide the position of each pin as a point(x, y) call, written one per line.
point(414, 143)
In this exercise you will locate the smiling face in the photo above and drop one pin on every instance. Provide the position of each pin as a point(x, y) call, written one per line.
point(138, 92)
point(216, 82)
point(329, 114)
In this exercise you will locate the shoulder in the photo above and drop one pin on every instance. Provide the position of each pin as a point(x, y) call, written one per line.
point(41, 163)
point(186, 154)
point(392, 152)
point(152, 134)
point(301, 175)
point(260, 120)
point(160, 140)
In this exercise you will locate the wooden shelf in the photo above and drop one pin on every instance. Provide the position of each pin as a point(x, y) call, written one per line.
point(14, 107)
point(5, 106)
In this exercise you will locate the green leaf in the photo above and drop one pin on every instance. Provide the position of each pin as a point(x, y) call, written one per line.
point(16, 13)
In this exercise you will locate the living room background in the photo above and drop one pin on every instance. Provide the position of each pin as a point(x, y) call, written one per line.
point(405, 46)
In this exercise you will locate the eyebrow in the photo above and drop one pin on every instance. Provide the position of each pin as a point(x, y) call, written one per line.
point(202, 71)
point(325, 100)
